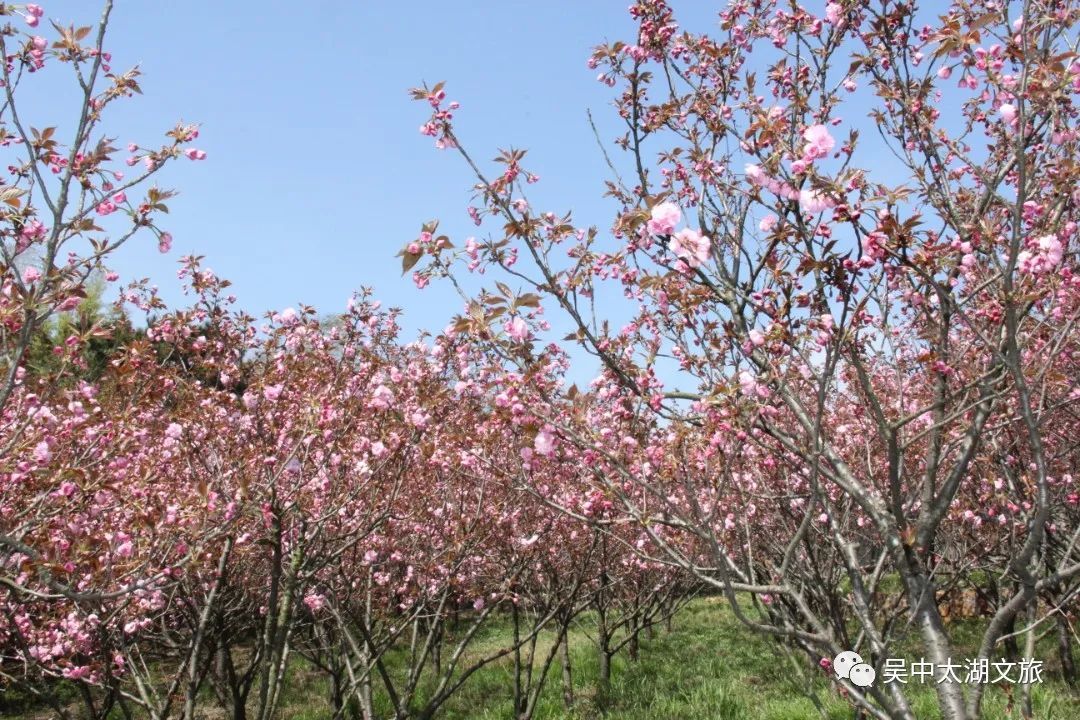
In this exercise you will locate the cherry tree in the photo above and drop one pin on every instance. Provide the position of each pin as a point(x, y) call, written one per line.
point(70, 201)
point(216, 495)
point(854, 341)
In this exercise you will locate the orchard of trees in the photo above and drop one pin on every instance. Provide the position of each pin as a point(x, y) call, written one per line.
point(840, 391)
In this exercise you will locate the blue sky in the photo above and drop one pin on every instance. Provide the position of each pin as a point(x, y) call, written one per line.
point(316, 173)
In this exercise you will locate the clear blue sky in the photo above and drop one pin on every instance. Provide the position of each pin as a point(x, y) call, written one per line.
point(316, 173)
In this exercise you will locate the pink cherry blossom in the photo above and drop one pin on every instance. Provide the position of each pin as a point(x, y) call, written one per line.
point(33, 230)
point(663, 218)
point(691, 246)
point(288, 316)
point(42, 453)
point(1008, 113)
point(544, 443)
point(873, 245)
point(819, 143)
point(517, 329)
point(1052, 249)
point(472, 247)
point(125, 549)
point(315, 602)
point(1042, 255)
point(755, 174)
point(748, 383)
point(382, 398)
point(814, 201)
point(833, 13)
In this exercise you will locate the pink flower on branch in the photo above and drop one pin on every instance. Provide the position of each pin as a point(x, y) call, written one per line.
point(1042, 255)
point(834, 13)
point(755, 174)
point(691, 246)
point(1008, 113)
point(663, 218)
point(315, 602)
point(544, 443)
point(517, 329)
point(382, 398)
point(748, 383)
point(819, 143)
point(42, 453)
point(125, 549)
point(814, 201)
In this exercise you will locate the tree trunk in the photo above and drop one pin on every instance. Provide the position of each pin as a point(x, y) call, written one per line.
point(1068, 665)
point(604, 681)
point(939, 650)
point(1012, 650)
point(337, 696)
point(519, 695)
point(567, 677)
point(436, 648)
point(367, 709)
point(239, 707)
point(603, 648)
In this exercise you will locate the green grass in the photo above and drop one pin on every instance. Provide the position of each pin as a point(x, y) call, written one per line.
point(708, 667)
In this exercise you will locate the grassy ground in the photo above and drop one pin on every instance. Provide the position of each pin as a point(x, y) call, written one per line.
point(708, 667)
